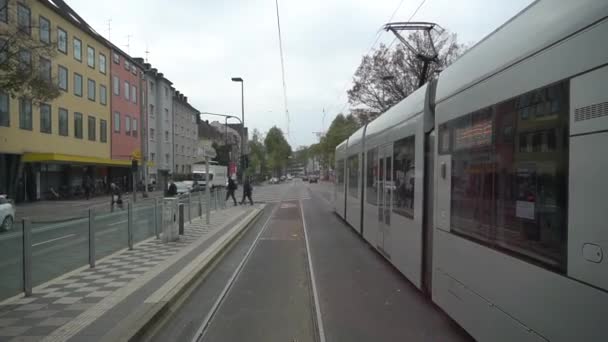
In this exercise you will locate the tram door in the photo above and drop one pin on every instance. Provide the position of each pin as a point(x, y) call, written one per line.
point(385, 185)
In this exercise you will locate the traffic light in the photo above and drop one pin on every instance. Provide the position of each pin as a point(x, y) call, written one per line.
point(134, 165)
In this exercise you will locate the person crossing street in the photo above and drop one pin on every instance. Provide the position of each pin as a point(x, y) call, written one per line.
point(231, 189)
point(247, 190)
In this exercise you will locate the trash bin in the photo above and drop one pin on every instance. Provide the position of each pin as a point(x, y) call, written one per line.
point(170, 219)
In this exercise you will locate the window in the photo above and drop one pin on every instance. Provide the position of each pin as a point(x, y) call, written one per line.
point(102, 63)
point(182, 149)
point(166, 135)
point(127, 125)
point(25, 113)
point(116, 85)
point(152, 110)
point(62, 40)
point(133, 94)
point(404, 176)
point(63, 122)
point(5, 114)
point(91, 128)
point(116, 58)
point(166, 114)
point(152, 156)
point(24, 19)
point(45, 69)
point(78, 125)
point(91, 57)
point(77, 46)
point(353, 176)
point(25, 60)
point(340, 174)
point(103, 130)
point(77, 84)
point(116, 122)
point(126, 65)
point(511, 193)
point(45, 29)
point(4, 10)
point(103, 96)
point(372, 169)
point(134, 127)
point(3, 50)
point(152, 133)
point(166, 158)
point(126, 89)
point(45, 118)
point(166, 92)
point(91, 90)
point(152, 86)
point(62, 78)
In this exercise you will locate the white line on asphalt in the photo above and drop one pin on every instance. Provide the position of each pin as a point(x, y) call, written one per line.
point(51, 240)
point(313, 280)
point(119, 222)
point(203, 328)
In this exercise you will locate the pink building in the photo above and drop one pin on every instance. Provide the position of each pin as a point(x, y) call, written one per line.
point(126, 124)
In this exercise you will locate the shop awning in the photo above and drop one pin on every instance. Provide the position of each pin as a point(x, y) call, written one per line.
point(30, 157)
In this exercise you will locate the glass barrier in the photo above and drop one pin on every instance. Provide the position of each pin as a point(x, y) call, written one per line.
point(110, 231)
point(11, 264)
point(143, 221)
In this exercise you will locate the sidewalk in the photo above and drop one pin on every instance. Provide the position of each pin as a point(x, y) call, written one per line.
point(125, 287)
point(52, 210)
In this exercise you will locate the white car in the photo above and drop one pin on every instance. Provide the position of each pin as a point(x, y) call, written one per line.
point(7, 213)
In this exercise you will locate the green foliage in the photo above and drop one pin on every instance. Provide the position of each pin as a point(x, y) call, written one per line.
point(278, 150)
point(222, 153)
point(257, 157)
point(339, 130)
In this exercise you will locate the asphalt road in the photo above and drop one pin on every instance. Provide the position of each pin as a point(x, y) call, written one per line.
point(359, 295)
point(62, 246)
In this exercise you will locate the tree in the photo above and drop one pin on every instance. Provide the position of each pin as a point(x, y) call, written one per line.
point(25, 59)
point(222, 153)
point(278, 150)
point(257, 155)
point(390, 74)
point(339, 130)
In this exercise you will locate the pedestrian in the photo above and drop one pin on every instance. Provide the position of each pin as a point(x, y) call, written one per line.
point(231, 189)
point(116, 196)
point(247, 190)
point(172, 189)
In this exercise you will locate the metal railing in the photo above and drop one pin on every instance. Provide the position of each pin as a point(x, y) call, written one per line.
point(36, 252)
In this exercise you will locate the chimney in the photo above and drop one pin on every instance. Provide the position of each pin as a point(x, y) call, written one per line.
point(160, 74)
point(138, 60)
point(186, 99)
point(148, 66)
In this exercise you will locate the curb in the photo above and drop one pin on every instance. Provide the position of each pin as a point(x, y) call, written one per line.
point(158, 304)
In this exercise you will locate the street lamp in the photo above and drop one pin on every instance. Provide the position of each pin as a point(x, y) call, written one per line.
point(240, 80)
point(226, 117)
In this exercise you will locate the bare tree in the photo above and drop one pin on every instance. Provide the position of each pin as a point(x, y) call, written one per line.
point(26, 52)
point(390, 74)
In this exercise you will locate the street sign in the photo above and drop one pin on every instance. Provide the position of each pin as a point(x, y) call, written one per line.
point(136, 155)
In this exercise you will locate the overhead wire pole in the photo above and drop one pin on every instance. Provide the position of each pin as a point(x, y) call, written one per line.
point(283, 69)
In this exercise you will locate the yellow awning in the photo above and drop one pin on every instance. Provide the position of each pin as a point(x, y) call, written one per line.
point(31, 157)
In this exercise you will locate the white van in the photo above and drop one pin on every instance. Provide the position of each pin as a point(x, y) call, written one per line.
point(218, 175)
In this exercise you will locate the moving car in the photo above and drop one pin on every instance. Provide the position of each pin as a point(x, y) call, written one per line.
point(7, 213)
point(273, 180)
point(182, 188)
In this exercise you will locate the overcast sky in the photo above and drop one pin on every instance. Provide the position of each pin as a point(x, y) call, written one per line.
point(200, 45)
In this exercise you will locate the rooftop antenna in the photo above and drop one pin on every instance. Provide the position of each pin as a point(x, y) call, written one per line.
point(128, 43)
point(147, 53)
point(109, 28)
point(426, 54)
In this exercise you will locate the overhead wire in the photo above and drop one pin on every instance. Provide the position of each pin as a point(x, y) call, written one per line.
point(410, 19)
point(283, 69)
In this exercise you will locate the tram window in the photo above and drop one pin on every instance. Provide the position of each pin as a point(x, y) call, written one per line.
point(404, 171)
point(353, 176)
point(340, 174)
point(372, 174)
point(512, 194)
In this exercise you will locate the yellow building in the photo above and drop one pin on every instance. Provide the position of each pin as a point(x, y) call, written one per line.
point(62, 143)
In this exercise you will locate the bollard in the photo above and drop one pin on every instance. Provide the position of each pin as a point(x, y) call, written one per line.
point(27, 257)
point(156, 218)
point(200, 204)
point(189, 207)
point(223, 193)
point(130, 225)
point(91, 238)
point(181, 219)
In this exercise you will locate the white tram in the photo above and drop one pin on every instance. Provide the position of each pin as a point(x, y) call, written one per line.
point(486, 188)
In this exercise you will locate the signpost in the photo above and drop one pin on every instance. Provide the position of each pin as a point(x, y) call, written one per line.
point(207, 153)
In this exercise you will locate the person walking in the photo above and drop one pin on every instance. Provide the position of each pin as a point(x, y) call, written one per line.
point(116, 196)
point(231, 189)
point(247, 190)
point(172, 189)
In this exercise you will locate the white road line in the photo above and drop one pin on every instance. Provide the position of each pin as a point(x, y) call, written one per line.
point(51, 240)
point(119, 222)
point(313, 280)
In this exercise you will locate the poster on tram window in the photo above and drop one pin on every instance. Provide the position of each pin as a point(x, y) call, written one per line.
point(524, 209)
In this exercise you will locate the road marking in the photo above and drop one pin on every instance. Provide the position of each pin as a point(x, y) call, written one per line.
point(119, 222)
point(55, 239)
point(313, 280)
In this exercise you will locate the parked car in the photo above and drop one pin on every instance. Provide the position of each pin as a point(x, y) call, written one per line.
point(273, 180)
point(313, 179)
point(7, 213)
point(305, 178)
point(182, 188)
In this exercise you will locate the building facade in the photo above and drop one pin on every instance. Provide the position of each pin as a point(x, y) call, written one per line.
point(159, 143)
point(185, 134)
point(62, 143)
